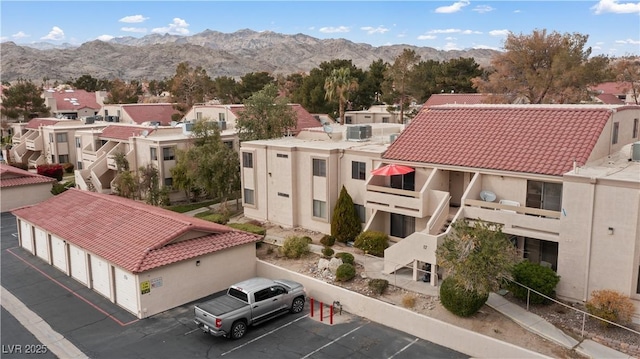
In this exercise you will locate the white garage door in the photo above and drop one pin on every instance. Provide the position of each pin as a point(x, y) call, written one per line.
point(25, 233)
point(126, 294)
point(42, 250)
point(100, 276)
point(59, 253)
point(78, 259)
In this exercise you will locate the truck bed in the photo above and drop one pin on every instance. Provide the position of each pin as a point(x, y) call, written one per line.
point(221, 305)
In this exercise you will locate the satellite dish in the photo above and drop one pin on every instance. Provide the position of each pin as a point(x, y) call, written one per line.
point(487, 196)
point(145, 133)
point(327, 129)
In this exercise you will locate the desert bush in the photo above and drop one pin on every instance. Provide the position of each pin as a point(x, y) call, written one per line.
point(610, 305)
point(345, 272)
point(327, 251)
point(328, 240)
point(346, 257)
point(409, 301)
point(215, 217)
point(372, 242)
point(536, 277)
point(248, 227)
point(308, 239)
point(51, 170)
point(58, 187)
point(295, 247)
point(378, 286)
point(460, 301)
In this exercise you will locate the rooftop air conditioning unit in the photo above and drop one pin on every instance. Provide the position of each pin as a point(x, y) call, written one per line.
point(89, 120)
point(393, 137)
point(187, 128)
point(359, 133)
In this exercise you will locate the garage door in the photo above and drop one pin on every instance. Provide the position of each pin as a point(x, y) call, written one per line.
point(25, 233)
point(100, 276)
point(126, 290)
point(59, 253)
point(78, 260)
point(42, 250)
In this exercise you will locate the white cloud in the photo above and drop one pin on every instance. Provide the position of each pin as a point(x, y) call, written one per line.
point(499, 32)
point(455, 7)
point(141, 30)
point(517, 11)
point(481, 9)
point(55, 34)
point(177, 27)
point(104, 38)
point(451, 46)
point(471, 32)
point(134, 19)
point(445, 31)
point(450, 38)
point(628, 42)
point(487, 47)
point(427, 37)
point(20, 35)
point(374, 30)
point(604, 6)
point(332, 30)
point(3, 38)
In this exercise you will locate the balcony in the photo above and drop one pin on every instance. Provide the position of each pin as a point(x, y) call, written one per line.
point(395, 200)
point(34, 142)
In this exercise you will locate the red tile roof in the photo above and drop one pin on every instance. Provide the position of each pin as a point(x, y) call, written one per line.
point(141, 113)
point(610, 99)
point(121, 132)
point(12, 176)
point(64, 100)
point(35, 123)
point(129, 234)
point(615, 88)
point(456, 98)
point(520, 138)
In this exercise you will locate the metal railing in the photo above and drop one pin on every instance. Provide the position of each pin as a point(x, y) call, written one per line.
point(584, 314)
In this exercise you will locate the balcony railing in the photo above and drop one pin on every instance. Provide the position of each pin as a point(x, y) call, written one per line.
point(396, 200)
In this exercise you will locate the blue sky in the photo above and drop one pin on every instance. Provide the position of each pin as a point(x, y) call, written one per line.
point(613, 26)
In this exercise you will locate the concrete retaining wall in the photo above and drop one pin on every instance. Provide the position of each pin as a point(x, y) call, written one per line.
point(433, 330)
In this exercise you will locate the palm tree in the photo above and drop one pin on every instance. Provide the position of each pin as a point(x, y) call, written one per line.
point(338, 84)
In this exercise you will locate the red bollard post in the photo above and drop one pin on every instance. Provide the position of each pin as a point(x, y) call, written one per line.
point(321, 305)
point(311, 307)
point(331, 314)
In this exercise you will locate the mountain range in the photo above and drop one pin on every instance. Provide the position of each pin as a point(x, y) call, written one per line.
point(220, 54)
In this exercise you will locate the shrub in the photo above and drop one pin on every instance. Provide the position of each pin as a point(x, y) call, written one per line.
point(459, 301)
point(247, 227)
point(67, 167)
point(308, 239)
point(327, 251)
point(345, 222)
point(610, 305)
point(328, 240)
point(215, 217)
point(378, 285)
point(372, 242)
point(51, 170)
point(295, 247)
point(345, 272)
point(346, 257)
point(58, 187)
point(409, 301)
point(536, 277)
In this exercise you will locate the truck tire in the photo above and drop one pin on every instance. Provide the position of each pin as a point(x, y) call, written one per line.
point(297, 305)
point(238, 329)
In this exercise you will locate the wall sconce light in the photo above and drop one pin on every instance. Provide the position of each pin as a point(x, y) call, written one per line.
point(610, 230)
point(269, 174)
point(197, 263)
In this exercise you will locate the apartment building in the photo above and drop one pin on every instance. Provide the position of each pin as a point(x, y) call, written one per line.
point(73, 104)
point(562, 180)
point(151, 114)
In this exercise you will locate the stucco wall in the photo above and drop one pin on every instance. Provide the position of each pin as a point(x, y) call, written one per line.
point(18, 196)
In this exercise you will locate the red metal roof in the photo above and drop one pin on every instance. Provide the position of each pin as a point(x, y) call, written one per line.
point(37, 122)
point(65, 99)
point(520, 138)
point(456, 98)
point(129, 234)
point(12, 176)
point(121, 132)
point(141, 113)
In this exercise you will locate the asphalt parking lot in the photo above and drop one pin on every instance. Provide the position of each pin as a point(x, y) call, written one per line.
point(101, 329)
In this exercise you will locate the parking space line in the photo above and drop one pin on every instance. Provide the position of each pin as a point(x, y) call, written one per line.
point(405, 347)
point(333, 341)
point(72, 292)
point(263, 335)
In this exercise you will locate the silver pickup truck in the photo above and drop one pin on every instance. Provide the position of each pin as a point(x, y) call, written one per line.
point(248, 303)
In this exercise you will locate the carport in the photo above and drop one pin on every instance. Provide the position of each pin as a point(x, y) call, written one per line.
point(144, 258)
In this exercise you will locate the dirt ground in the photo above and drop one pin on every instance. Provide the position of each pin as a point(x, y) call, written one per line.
point(487, 321)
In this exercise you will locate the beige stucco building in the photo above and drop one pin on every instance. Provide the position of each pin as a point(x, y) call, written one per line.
point(562, 181)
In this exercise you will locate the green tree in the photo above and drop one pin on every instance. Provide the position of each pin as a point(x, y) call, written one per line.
point(345, 222)
point(189, 86)
point(225, 88)
point(398, 76)
point(122, 92)
point(627, 71)
point(87, 83)
point(253, 82)
point(543, 68)
point(338, 86)
point(371, 86)
point(23, 100)
point(265, 116)
point(311, 93)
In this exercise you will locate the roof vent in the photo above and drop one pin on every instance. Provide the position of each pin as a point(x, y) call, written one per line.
point(635, 151)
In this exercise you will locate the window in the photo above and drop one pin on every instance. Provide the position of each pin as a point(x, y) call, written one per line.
point(402, 226)
point(198, 116)
point(348, 120)
point(154, 154)
point(361, 212)
point(168, 153)
point(406, 181)
point(319, 167)
point(358, 170)
point(78, 142)
point(544, 195)
point(286, 195)
point(229, 144)
point(614, 135)
point(79, 165)
point(635, 128)
point(51, 138)
point(385, 119)
point(168, 182)
point(248, 196)
point(221, 117)
point(282, 155)
point(319, 209)
point(63, 158)
point(247, 159)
